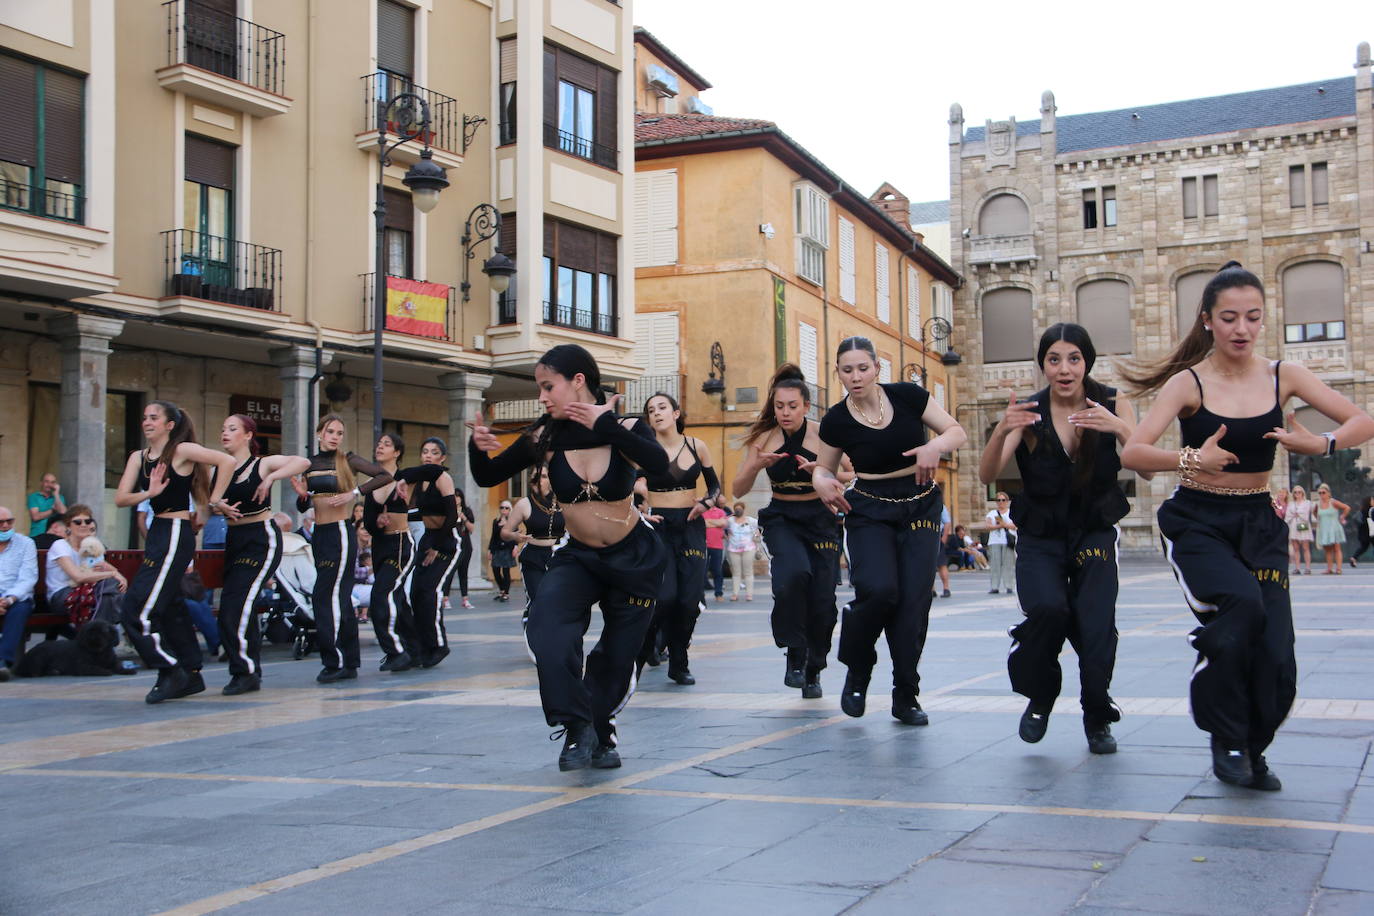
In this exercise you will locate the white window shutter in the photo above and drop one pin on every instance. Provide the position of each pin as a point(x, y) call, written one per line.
point(847, 291)
point(884, 370)
point(655, 218)
point(913, 302)
point(643, 219)
point(806, 345)
point(883, 289)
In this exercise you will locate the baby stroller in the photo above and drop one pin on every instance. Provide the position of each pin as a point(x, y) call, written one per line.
point(296, 580)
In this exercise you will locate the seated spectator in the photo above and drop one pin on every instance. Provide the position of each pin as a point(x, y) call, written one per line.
point(57, 530)
point(973, 555)
point(45, 504)
point(64, 569)
point(196, 597)
point(18, 576)
point(362, 583)
point(953, 550)
point(307, 528)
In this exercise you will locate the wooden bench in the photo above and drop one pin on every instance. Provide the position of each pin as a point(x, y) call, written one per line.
point(209, 563)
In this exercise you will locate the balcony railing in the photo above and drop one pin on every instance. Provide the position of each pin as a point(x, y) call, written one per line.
point(222, 270)
point(639, 390)
point(1001, 249)
point(578, 146)
point(565, 316)
point(224, 44)
point(445, 120)
point(43, 201)
point(448, 323)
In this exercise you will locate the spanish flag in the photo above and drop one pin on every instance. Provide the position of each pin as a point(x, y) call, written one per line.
point(416, 307)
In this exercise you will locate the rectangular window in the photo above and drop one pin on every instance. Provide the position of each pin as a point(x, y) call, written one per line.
point(810, 261)
point(884, 370)
point(1089, 208)
point(507, 101)
point(1210, 203)
point(913, 302)
point(208, 212)
point(1297, 186)
point(847, 285)
point(1190, 198)
point(576, 119)
point(812, 209)
point(1314, 331)
point(656, 218)
point(396, 39)
point(806, 351)
point(580, 267)
point(1109, 205)
point(400, 228)
point(580, 110)
point(882, 286)
point(42, 149)
point(1320, 192)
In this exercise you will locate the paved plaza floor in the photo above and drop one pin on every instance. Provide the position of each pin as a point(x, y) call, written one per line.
point(437, 791)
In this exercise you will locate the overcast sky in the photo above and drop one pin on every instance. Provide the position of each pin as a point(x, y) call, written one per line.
point(866, 85)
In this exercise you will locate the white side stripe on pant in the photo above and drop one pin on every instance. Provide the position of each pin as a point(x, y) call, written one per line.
point(246, 613)
point(335, 610)
point(439, 637)
point(1195, 603)
point(145, 614)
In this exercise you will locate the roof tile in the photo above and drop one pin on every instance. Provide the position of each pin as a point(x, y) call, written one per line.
point(650, 126)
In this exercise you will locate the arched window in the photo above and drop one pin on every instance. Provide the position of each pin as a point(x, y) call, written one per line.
point(1314, 302)
point(1104, 308)
point(1004, 214)
point(1188, 298)
point(1007, 334)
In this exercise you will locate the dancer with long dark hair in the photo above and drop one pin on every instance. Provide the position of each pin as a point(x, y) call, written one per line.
point(171, 472)
point(543, 523)
point(611, 557)
point(802, 533)
point(1219, 531)
point(892, 519)
point(432, 492)
point(331, 487)
point(1064, 438)
point(252, 547)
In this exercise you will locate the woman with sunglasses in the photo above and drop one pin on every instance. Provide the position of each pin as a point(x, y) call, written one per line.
point(170, 472)
point(64, 569)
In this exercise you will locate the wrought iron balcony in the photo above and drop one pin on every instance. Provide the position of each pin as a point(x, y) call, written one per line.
point(639, 390)
point(445, 328)
point(1001, 249)
point(565, 316)
point(201, 266)
point(445, 120)
point(38, 200)
point(578, 146)
point(250, 58)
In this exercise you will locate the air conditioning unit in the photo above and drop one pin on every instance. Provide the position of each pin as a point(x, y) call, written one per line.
point(661, 81)
point(696, 106)
point(479, 342)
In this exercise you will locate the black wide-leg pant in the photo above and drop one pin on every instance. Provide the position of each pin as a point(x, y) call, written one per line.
point(1230, 555)
point(252, 553)
point(153, 614)
point(892, 549)
point(1067, 587)
point(534, 563)
point(803, 538)
point(393, 556)
point(336, 626)
point(428, 586)
point(684, 585)
point(624, 578)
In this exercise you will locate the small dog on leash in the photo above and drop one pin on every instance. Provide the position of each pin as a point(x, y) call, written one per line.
point(90, 654)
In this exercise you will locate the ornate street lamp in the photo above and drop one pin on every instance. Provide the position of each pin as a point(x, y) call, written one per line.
point(714, 385)
point(499, 268)
point(934, 330)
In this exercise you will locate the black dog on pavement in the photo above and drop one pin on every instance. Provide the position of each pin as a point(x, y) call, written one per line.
point(90, 654)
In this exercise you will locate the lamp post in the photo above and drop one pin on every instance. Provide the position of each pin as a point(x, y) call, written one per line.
point(934, 330)
point(487, 221)
point(714, 385)
point(409, 113)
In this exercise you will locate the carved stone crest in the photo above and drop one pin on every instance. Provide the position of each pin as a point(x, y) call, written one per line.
point(1001, 141)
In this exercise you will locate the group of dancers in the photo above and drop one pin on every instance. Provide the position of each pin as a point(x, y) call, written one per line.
point(862, 481)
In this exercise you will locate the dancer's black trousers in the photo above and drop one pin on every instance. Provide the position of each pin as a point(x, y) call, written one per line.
point(429, 584)
point(153, 615)
point(803, 538)
point(393, 556)
point(252, 553)
point(684, 584)
point(336, 626)
point(534, 563)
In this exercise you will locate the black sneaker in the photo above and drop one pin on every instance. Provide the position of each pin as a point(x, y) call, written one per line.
point(1261, 777)
point(170, 682)
point(242, 683)
point(682, 676)
point(1231, 764)
point(4, 673)
point(194, 684)
point(605, 757)
point(909, 715)
point(1034, 721)
point(855, 695)
point(811, 688)
point(992, 591)
point(435, 657)
point(579, 741)
point(398, 662)
point(796, 661)
point(1100, 740)
point(945, 593)
point(330, 675)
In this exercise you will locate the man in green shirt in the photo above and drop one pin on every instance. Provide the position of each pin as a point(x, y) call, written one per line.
point(45, 503)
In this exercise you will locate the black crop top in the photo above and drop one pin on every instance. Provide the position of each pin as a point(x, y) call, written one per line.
point(1244, 435)
point(786, 475)
point(321, 479)
point(635, 443)
point(394, 504)
point(177, 495)
point(240, 492)
point(678, 478)
point(544, 522)
point(879, 451)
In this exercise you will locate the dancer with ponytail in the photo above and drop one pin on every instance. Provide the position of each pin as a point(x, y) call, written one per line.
point(1064, 438)
point(1219, 531)
point(611, 557)
point(544, 528)
point(892, 522)
point(252, 547)
point(331, 487)
point(170, 472)
point(433, 493)
point(802, 533)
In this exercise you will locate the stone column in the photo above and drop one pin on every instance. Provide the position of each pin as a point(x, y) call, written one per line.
point(465, 402)
point(84, 341)
point(297, 367)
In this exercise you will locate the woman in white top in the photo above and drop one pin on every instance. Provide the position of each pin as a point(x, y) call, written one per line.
point(64, 570)
point(741, 546)
point(1001, 555)
point(1301, 521)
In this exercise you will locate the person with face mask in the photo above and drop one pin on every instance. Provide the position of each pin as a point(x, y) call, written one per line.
point(18, 576)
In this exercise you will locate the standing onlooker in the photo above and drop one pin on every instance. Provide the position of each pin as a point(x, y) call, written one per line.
point(715, 549)
point(18, 575)
point(742, 536)
point(1331, 514)
point(44, 503)
point(1001, 548)
point(57, 530)
point(1281, 498)
point(941, 565)
point(501, 554)
point(1299, 519)
point(1362, 529)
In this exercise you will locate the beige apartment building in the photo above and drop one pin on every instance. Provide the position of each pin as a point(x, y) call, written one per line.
point(1116, 220)
point(187, 195)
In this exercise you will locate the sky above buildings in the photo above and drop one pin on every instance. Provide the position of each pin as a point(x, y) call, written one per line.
point(866, 85)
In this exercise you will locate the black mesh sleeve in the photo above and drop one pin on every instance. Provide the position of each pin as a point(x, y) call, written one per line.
point(378, 476)
point(489, 471)
point(421, 473)
point(712, 484)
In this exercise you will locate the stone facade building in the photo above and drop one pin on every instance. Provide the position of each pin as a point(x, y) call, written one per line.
point(1116, 220)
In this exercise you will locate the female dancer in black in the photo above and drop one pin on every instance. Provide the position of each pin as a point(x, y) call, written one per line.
point(1220, 534)
point(1065, 440)
point(892, 522)
point(500, 553)
point(543, 522)
point(252, 547)
point(167, 473)
point(432, 492)
point(802, 534)
point(466, 522)
point(331, 487)
point(677, 511)
point(611, 557)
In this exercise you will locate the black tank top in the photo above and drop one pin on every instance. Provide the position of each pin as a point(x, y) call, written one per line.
point(176, 497)
point(1244, 435)
point(676, 477)
point(543, 523)
point(879, 451)
point(241, 492)
point(786, 476)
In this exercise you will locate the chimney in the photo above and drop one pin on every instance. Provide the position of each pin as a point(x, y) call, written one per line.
point(894, 203)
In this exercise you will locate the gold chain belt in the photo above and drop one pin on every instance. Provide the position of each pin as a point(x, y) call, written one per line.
point(853, 485)
point(1222, 491)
